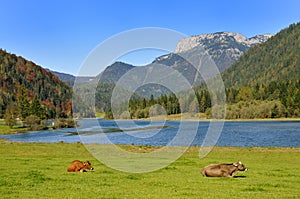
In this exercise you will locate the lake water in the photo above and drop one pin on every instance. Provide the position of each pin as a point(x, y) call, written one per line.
point(160, 133)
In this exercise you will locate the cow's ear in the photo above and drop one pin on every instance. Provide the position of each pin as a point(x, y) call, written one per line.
point(239, 162)
point(84, 163)
point(235, 164)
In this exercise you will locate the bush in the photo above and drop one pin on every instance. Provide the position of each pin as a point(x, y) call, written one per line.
point(32, 121)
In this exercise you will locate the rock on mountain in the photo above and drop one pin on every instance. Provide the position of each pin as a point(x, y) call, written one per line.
point(224, 47)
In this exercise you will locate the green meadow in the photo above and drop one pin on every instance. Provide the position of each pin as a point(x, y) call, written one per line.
point(38, 170)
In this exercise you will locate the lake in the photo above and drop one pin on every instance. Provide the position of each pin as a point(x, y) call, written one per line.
point(162, 133)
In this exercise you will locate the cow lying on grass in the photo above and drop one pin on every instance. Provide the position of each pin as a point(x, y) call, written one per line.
point(78, 166)
point(223, 170)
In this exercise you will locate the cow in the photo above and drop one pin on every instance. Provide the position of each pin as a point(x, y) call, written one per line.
point(78, 166)
point(223, 170)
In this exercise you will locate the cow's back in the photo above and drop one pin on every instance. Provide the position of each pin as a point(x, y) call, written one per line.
point(75, 166)
point(216, 170)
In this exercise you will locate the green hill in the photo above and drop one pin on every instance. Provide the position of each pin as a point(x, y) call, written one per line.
point(275, 60)
point(265, 81)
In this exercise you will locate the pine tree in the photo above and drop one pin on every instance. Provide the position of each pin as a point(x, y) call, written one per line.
point(23, 103)
point(37, 109)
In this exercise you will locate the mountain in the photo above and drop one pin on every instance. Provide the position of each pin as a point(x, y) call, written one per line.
point(114, 72)
point(223, 47)
point(23, 80)
point(275, 60)
point(70, 79)
point(223, 39)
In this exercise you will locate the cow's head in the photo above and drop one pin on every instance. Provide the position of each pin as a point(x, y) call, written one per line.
point(88, 165)
point(240, 166)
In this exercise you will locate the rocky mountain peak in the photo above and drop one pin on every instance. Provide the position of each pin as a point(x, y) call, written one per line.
point(219, 38)
point(223, 47)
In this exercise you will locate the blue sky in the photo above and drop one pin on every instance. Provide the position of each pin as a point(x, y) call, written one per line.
point(60, 34)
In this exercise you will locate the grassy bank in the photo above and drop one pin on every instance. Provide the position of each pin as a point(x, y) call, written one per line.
point(8, 130)
point(4, 129)
point(38, 170)
point(20, 128)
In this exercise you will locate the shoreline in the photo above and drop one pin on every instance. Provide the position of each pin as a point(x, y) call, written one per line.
point(192, 147)
point(199, 117)
point(6, 131)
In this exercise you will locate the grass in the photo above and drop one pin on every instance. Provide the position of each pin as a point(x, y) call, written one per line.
point(4, 129)
point(100, 115)
point(8, 130)
point(38, 170)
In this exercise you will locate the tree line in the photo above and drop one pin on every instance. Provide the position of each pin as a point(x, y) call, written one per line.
point(29, 112)
point(28, 90)
point(278, 99)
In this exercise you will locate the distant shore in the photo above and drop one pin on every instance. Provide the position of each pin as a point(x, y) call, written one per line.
point(197, 117)
point(230, 120)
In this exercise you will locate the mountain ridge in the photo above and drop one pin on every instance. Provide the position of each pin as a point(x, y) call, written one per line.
point(224, 47)
point(222, 37)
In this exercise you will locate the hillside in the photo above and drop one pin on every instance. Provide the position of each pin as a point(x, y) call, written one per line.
point(23, 83)
point(276, 60)
point(265, 81)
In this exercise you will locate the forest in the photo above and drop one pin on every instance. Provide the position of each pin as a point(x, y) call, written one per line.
point(30, 94)
point(274, 100)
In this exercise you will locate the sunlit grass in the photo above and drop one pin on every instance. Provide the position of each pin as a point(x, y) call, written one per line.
point(38, 170)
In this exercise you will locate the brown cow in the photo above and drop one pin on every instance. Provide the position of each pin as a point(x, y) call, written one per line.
point(78, 166)
point(223, 170)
